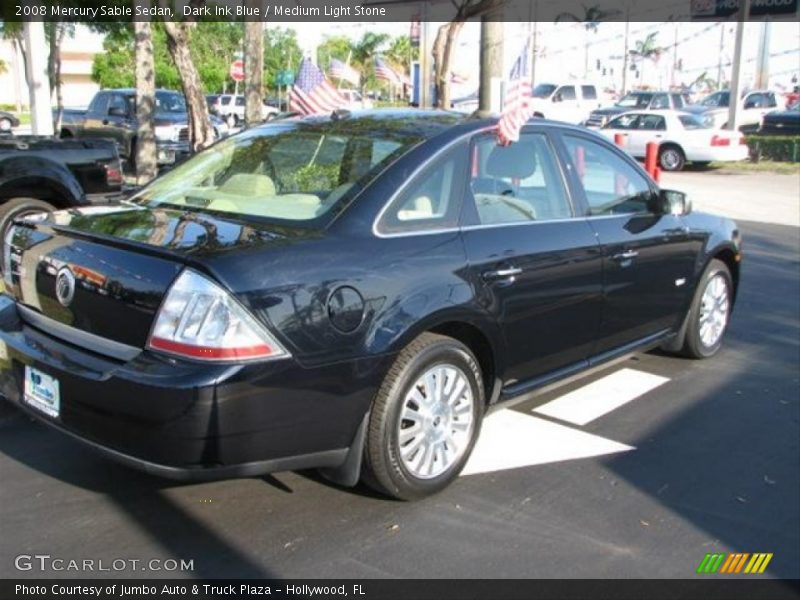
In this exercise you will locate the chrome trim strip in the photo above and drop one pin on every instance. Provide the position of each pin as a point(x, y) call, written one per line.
point(84, 339)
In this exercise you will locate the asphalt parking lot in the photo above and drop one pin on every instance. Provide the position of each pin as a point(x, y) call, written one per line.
point(637, 471)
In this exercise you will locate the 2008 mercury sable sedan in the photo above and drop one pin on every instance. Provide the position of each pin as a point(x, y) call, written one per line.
point(352, 293)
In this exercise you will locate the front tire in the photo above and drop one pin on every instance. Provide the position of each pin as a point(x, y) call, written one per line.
point(710, 312)
point(671, 158)
point(425, 419)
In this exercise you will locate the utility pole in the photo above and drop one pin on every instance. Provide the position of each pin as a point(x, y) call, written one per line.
point(736, 75)
point(719, 54)
point(762, 66)
point(39, 91)
point(533, 10)
point(425, 100)
point(625, 52)
point(491, 61)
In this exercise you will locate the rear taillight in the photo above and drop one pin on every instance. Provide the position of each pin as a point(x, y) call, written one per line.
point(113, 175)
point(200, 320)
point(719, 140)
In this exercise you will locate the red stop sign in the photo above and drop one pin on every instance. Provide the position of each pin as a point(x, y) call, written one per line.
point(237, 70)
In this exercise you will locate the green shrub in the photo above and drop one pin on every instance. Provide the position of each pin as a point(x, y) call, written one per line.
point(768, 147)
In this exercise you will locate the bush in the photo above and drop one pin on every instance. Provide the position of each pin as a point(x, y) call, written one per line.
point(780, 148)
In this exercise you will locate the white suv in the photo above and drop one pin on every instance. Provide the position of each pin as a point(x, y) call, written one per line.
point(570, 102)
point(231, 108)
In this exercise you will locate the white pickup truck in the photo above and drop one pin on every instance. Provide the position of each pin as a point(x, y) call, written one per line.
point(570, 102)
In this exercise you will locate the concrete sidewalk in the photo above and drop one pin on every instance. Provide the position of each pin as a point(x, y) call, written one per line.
point(747, 196)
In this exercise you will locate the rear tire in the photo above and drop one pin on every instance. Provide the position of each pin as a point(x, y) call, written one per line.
point(710, 312)
point(425, 419)
point(671, 158)
point(14, 208)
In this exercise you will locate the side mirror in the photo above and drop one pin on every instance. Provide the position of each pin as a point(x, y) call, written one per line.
point(675, 203)
point(116, 111)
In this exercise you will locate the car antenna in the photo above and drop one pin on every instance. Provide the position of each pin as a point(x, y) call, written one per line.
point(340, 113)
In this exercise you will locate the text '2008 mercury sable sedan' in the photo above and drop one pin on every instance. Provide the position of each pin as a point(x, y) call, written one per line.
point(351, 293)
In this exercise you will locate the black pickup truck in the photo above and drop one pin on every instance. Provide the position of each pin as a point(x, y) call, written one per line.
point(112, 115)
point(42, 174)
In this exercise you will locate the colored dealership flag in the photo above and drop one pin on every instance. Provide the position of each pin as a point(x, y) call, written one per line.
point(517, 100)
point(344, 72)
point(385, 72)
point(312, 94)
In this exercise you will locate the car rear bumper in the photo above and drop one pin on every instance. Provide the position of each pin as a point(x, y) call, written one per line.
point(192, 421)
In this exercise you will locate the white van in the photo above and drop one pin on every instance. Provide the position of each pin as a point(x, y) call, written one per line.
point(570, 102)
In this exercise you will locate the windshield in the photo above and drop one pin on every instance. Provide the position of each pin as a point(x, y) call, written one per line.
point(298, 173)
point(693, 122)
point(716, 99)
point(170, 102)
point(635, 100)
point(543, 90)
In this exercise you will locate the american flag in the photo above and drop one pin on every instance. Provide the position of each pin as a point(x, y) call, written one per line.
point(339, 70)
point(517, 101)
point(312, 94)
point(385, 72)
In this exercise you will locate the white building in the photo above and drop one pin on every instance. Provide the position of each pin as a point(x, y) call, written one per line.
point(77, 54)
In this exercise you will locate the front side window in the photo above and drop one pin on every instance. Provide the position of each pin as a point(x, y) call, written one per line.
point(519, 182)
point(611, 185)
point(293, 172)
point(627, 121)
point(118, 105)
point(566, 92)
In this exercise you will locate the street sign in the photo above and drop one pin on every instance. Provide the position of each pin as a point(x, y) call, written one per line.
point(237, 70)
point(284, 77)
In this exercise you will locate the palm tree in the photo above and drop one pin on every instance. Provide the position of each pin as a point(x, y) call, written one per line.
point(591, 18)
point(364, 52)
point(646, 49)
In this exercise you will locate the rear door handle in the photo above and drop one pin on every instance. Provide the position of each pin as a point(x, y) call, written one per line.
point(506, 273)
point(627, 255)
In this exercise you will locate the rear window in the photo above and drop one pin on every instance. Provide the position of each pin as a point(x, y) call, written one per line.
point(293, 172)
point(589, 93)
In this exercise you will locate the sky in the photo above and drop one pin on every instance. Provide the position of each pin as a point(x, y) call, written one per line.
point(562, 46)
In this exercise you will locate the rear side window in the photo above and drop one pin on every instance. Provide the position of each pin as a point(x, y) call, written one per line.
point(518, 182)
point(589, 93)
point(431, 201)
point(660, 101)
point(652, 123)
point(611, 185)
point(677, 101)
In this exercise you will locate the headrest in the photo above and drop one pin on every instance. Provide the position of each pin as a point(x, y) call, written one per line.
point(517, 160)
point(248, 184)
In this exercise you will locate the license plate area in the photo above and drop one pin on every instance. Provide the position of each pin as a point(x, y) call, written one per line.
point(42, 392)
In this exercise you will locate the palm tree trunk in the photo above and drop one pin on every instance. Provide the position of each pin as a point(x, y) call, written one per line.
point(145, 100)
point(253, 70)
point(200, 132)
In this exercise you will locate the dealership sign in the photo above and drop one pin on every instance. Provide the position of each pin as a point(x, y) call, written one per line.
point(758, 8)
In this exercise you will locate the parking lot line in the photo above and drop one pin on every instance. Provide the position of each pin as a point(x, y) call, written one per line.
point(510, 440)
point(600, 397)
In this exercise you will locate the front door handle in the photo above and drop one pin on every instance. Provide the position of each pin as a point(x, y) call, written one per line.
point(507, 273)
point(627, 255)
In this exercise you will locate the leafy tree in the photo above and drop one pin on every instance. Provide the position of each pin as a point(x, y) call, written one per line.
point(281, 51)
point(337, 46)
point(364, 52)
point(591, 18)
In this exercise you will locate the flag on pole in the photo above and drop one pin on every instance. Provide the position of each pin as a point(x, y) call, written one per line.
point(312, 94)
point(517, 100)
point(339, 70)
point(385, 72)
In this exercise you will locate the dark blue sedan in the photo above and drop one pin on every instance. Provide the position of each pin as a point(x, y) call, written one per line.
point(352, 293)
